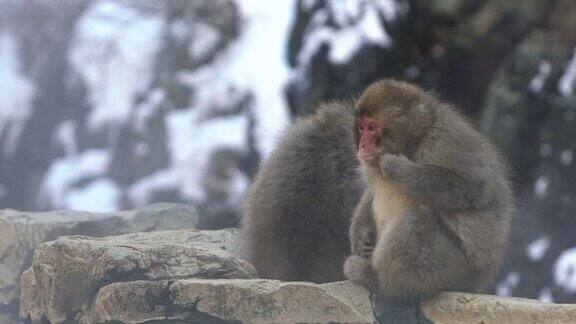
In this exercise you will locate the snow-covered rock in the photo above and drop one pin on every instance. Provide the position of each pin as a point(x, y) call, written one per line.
point(110, 105)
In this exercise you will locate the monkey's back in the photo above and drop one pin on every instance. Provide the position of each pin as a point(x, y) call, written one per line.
point(297, 214)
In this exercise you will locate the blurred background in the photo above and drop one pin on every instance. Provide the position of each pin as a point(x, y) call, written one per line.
point(110, 105)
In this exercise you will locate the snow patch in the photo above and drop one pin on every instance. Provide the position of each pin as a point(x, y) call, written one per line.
point(541, 186)
point(566, 83)
point(546, 295)
point(204, 41)
point(358, 23)
point(140, 193)
point(191, 141)
point(64, 173)
point(16, 94)
point(505, 287)
point(538, 248)
point(147, 108)
point(101, 195)
point(65, 135)
point(538, 82)
point(566, 157)
point(564, 270)
point(113, 50)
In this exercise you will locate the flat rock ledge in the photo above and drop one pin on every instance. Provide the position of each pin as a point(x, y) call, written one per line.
point(194, 276)
point(22, 232)
point(68, 273)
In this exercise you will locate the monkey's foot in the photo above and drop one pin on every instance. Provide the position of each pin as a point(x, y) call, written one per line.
point(358, 269)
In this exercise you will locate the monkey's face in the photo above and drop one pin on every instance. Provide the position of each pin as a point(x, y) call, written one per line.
point(391, 117)
point(369, 130)
point(388, 132)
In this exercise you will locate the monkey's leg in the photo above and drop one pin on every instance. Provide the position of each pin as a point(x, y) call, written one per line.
point(358, 267)
point(415, 258)
point(436, 186)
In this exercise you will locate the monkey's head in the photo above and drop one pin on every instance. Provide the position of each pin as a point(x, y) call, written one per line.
point(392, 117)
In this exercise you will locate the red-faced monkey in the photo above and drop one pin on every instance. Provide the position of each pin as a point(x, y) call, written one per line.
point(435, 203)
point(438, 204)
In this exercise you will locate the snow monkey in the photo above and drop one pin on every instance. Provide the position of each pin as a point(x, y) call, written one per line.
point(438, 204)
point(296, 218)
point(431, 189)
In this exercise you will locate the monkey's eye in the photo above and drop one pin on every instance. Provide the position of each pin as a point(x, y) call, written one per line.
point(372, 127)
point(361, 125)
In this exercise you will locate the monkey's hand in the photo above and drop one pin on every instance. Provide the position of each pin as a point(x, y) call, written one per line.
point(364, 245)
point(394, 166)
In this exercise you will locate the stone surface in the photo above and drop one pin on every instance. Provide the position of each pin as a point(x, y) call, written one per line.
point(469, 308)
point(254, 301)
point(67, 273)
point(22, 232)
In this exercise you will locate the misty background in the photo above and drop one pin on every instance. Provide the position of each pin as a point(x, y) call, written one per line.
point(112, 105)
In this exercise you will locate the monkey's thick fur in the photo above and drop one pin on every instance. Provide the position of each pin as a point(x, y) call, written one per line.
point(296, 218)
point(435, 209)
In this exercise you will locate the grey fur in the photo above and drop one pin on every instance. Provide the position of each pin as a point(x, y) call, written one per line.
point(295, 220)
point(452, 232)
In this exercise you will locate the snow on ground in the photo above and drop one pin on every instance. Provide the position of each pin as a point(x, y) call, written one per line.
point(505, 287)
point(357, 23)
point(567, 81)
point(566, 157)
point(538, 82)
point(538, 248)
point(113, 51)
point(16, 93)
point(546, 295)
point(258, 61)
point(101, 195)
point(564, 270)
point(64, 173)
point(541, 187)
point(65, 136)
point(252, 68)
point(191, 143)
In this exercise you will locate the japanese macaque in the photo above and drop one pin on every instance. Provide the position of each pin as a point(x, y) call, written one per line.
point(436, 211)
point(296, 218)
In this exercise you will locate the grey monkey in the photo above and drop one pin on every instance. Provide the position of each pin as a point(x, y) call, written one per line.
point(296, 217)
point(436, 211)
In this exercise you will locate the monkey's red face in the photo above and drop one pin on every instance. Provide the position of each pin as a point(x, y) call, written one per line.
point(369, 130)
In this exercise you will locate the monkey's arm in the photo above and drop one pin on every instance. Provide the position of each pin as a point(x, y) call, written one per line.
point(358, 267)
point(363, 228)
point(436, 186)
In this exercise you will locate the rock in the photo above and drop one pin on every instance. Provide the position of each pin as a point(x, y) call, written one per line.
point(256, 300)
point(22, 232)
point(67, 274)
point(470, 308)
